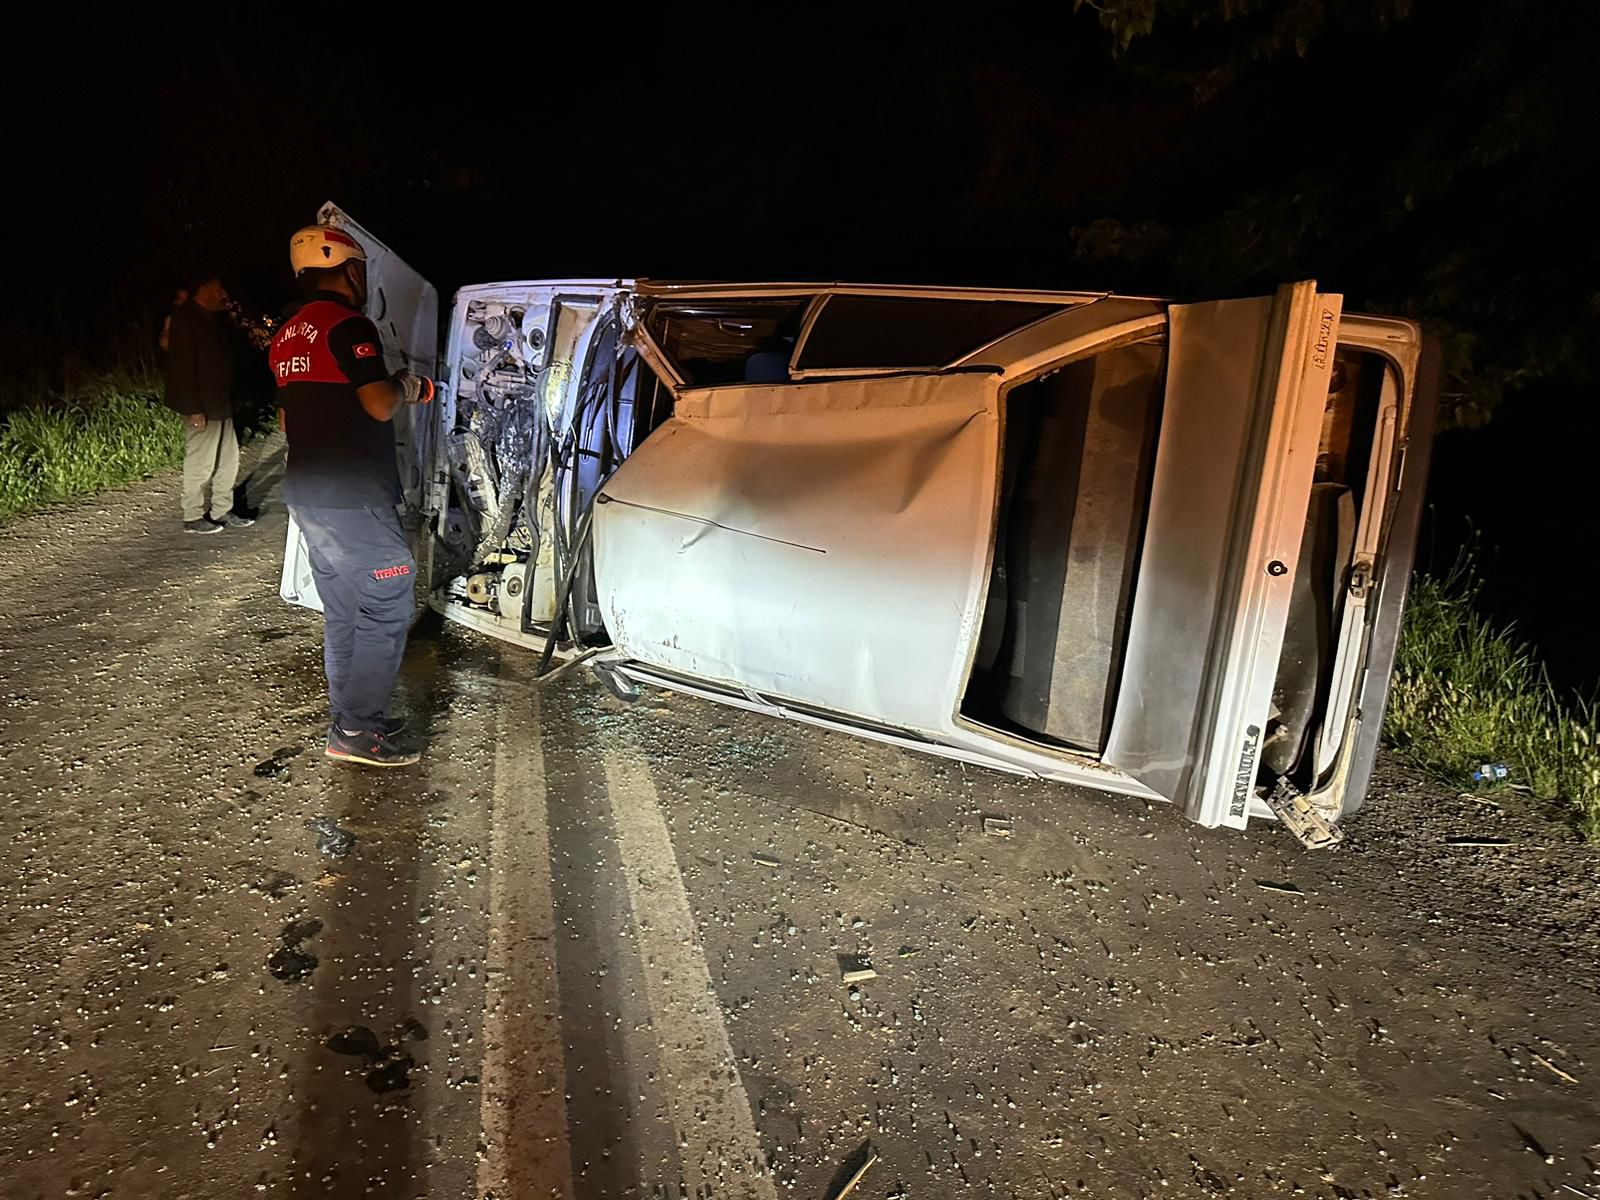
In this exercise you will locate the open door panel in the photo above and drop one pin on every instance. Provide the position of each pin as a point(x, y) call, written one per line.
point(1240, 427)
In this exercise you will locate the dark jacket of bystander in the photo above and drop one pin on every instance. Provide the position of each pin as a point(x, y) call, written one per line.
point(199, 364)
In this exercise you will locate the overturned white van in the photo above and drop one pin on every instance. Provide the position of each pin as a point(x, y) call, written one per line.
point(1159, 549)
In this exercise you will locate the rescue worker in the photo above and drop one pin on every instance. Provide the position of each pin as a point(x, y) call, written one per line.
point(336, 401)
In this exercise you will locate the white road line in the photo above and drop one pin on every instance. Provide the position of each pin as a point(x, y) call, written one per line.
point(524, 1108)
point(705, 1096)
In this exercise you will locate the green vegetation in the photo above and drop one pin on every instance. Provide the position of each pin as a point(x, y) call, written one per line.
point(111, 432)
point(1468, 692)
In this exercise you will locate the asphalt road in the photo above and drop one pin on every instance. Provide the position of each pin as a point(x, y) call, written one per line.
point(595, 950)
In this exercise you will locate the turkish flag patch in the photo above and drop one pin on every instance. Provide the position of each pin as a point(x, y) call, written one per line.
point(366, 350)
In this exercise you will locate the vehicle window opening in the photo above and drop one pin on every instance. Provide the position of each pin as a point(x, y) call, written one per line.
point(1074, 488)
point(728, 342)
point(901, 332)
point(1321, 584)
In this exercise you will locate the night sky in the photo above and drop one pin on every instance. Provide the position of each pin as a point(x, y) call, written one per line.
point(1429, 159)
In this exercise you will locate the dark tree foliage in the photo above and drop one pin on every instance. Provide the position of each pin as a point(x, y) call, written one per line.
point(1444, 174)
point(1269, 29)
point(1425, 157)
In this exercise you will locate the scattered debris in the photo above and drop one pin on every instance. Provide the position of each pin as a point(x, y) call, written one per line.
point(855, 968)
point(276, 885)
point(1490, 772)
point(765, 860)
point(1551, 1067)
point(998, 826)
point(331, 840)
point(1268, 885)
point(869, 1156)
point(1302, 819)
point(1477, 841)
point(910, 951)
point(1532, 1143)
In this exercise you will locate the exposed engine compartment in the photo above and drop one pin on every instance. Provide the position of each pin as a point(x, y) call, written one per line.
point(540, 412)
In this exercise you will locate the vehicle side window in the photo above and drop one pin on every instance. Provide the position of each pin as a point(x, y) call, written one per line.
point(904, 332)
point(736, 341)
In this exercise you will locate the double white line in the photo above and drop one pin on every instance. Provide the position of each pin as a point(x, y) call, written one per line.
point(523, 1110)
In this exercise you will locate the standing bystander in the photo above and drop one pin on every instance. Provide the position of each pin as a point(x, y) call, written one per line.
point(200, 390)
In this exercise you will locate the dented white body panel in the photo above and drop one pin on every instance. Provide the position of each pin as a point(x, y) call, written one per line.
point(809, 542)
point(822, 542)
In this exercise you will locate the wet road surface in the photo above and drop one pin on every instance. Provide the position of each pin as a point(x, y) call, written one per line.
point(596, 950)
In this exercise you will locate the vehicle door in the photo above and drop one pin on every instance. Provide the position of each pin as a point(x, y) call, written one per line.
point(1235, 460)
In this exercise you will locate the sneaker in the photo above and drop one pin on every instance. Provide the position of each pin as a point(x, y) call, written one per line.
point(374, 749)
point(390, 726)
point(233, 520)
point(202, 525)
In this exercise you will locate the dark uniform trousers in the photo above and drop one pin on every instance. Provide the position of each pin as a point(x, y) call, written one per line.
point(364, 573)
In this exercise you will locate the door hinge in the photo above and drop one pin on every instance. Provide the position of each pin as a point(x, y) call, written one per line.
point(1360, 579)
point(1302, 819)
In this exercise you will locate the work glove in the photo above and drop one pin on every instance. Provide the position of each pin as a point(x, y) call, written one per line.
point(414, 389)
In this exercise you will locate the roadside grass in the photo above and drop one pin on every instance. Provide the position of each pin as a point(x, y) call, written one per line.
point(112, 431)
point(1467, 691)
